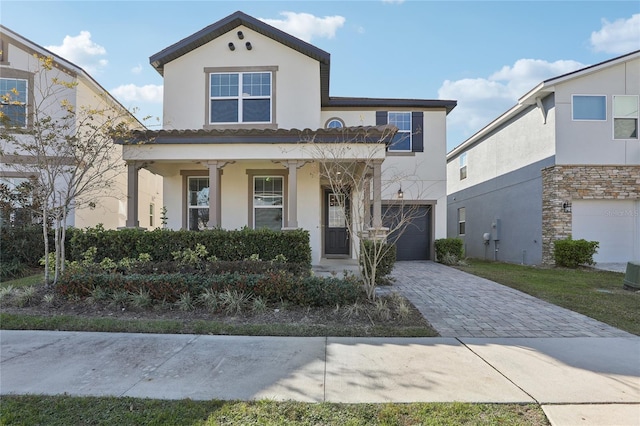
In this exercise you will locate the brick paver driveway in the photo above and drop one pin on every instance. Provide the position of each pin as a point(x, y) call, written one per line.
point(458, 304)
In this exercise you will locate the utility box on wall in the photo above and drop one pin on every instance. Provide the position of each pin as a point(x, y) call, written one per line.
point(496, 229)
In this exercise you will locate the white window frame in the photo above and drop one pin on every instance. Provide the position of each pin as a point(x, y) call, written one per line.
point(462, 221)
point(8, 98)
point(256, 207)
point(331, 121)
point(614, 116)
point(407, 131)
point(463, 166)
point(573, 102)
point(240, 97)
point(196, 206)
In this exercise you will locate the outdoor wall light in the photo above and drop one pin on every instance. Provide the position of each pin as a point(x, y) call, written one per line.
point(566, 206)
point(400, 194)
point(232, 47)
point(248, 44)
point(240, 35)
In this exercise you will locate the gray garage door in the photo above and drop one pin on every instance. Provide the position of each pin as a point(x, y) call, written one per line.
point(414, 242)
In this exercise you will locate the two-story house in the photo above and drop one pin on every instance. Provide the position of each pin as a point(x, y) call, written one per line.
point(564, 162)
point(248, 123)
point(25, 82)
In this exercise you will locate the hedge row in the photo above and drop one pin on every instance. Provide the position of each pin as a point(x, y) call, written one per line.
point(572, 253)
point(274, 286)
point(446, 247)
point(160, 244)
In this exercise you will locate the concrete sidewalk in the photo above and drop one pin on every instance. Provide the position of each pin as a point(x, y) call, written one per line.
point(590, 381)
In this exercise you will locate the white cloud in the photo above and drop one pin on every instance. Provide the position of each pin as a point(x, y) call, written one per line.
point(306, 26)
point(481, 100)
point(618, 37)
point(131, 93)
point(82, 51)
point(137, 69)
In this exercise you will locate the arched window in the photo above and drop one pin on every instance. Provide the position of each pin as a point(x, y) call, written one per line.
point(334, 123)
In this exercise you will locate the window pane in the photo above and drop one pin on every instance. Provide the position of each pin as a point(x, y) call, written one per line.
point(224, 111)
point(270, 218)
point(401, 142)
point(256, 84)
point(625, 128)
point(198, 219)
point(268, 191)
point(337, 217)
point(334, 124)
point(198, 191)
point(15, 114)
point(589, 108)
point(224, 85)
point(256, 110)
point(402, 120)
point(625, 106)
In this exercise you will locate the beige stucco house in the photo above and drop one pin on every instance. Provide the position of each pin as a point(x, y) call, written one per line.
point(247, 123)
point(20, 75)
point(564, 161)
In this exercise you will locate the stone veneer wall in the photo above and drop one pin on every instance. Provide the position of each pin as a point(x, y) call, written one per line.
point(561, 183)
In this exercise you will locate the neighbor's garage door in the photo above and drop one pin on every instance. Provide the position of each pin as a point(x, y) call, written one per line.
point(414, 243)
point(615, 224)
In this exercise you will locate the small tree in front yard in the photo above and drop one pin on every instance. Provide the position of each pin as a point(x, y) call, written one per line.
point(67, 149)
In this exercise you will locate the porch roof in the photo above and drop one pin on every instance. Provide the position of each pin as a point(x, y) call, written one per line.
point(361, 134)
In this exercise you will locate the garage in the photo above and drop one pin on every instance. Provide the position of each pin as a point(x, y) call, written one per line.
point(615, 224)
point(413, 242)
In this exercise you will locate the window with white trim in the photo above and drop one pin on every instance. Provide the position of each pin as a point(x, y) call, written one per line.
point(589, 107)
point(335, 123)
point(463, 166)
point(197, 203)
point(625, 117)
point(240, 97)
point(151, 214)
point(462, 220)
point(268, 202)
point(402, 140)
point(13, 101)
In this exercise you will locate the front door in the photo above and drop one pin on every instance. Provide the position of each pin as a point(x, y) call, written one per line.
point(336, 235)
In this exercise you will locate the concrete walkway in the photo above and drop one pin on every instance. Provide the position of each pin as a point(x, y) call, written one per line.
point(458, 304)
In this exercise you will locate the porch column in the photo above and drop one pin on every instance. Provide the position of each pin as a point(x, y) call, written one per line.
point(377, 194)
point(367, 201)
point(293, 194)
point(214, 195)
point(132, 194)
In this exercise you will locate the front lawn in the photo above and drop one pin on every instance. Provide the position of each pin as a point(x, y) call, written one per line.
point(594, 293)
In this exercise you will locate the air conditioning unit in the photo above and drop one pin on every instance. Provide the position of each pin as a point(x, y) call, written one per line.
point(632, 277)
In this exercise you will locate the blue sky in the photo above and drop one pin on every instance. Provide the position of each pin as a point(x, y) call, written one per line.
point(484, 54)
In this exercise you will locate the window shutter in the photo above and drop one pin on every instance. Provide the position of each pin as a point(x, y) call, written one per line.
point(417, 131)
point(381, 118)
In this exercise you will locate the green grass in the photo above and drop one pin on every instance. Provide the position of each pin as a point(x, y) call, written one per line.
point(596, 294)
point(74, 323)
point(25, 281)
point(67, 410)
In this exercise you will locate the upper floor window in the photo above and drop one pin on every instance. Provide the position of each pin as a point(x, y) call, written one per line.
point(589, 107)
point(13, 101)
point(334, 123)
point(240, 97)
point(402, 140)
point(463, 165)
point(625, 117)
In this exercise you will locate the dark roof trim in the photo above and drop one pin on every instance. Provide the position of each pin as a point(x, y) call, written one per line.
point(368, 134)
point(227, 24)
point(599, 64)
point(390, 103)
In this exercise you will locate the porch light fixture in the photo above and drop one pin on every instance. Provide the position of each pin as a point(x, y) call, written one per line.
point(232, 47)
point(240, 35)
point(400, 193)
point(566, 206)
point(248, 45)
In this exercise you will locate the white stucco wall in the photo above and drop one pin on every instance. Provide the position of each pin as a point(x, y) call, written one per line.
point(591, 142)
point(297, 80)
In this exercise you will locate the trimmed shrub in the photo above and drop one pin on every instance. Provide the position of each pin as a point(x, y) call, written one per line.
point(236, 245)
point(447, 247)
point(386, 258)
point(572, 253)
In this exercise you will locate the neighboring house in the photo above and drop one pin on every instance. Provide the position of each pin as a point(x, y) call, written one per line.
point(564, 162)
point(247, 118)
point(19, 75)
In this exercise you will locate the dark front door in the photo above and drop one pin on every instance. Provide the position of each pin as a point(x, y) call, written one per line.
point(336, 236)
